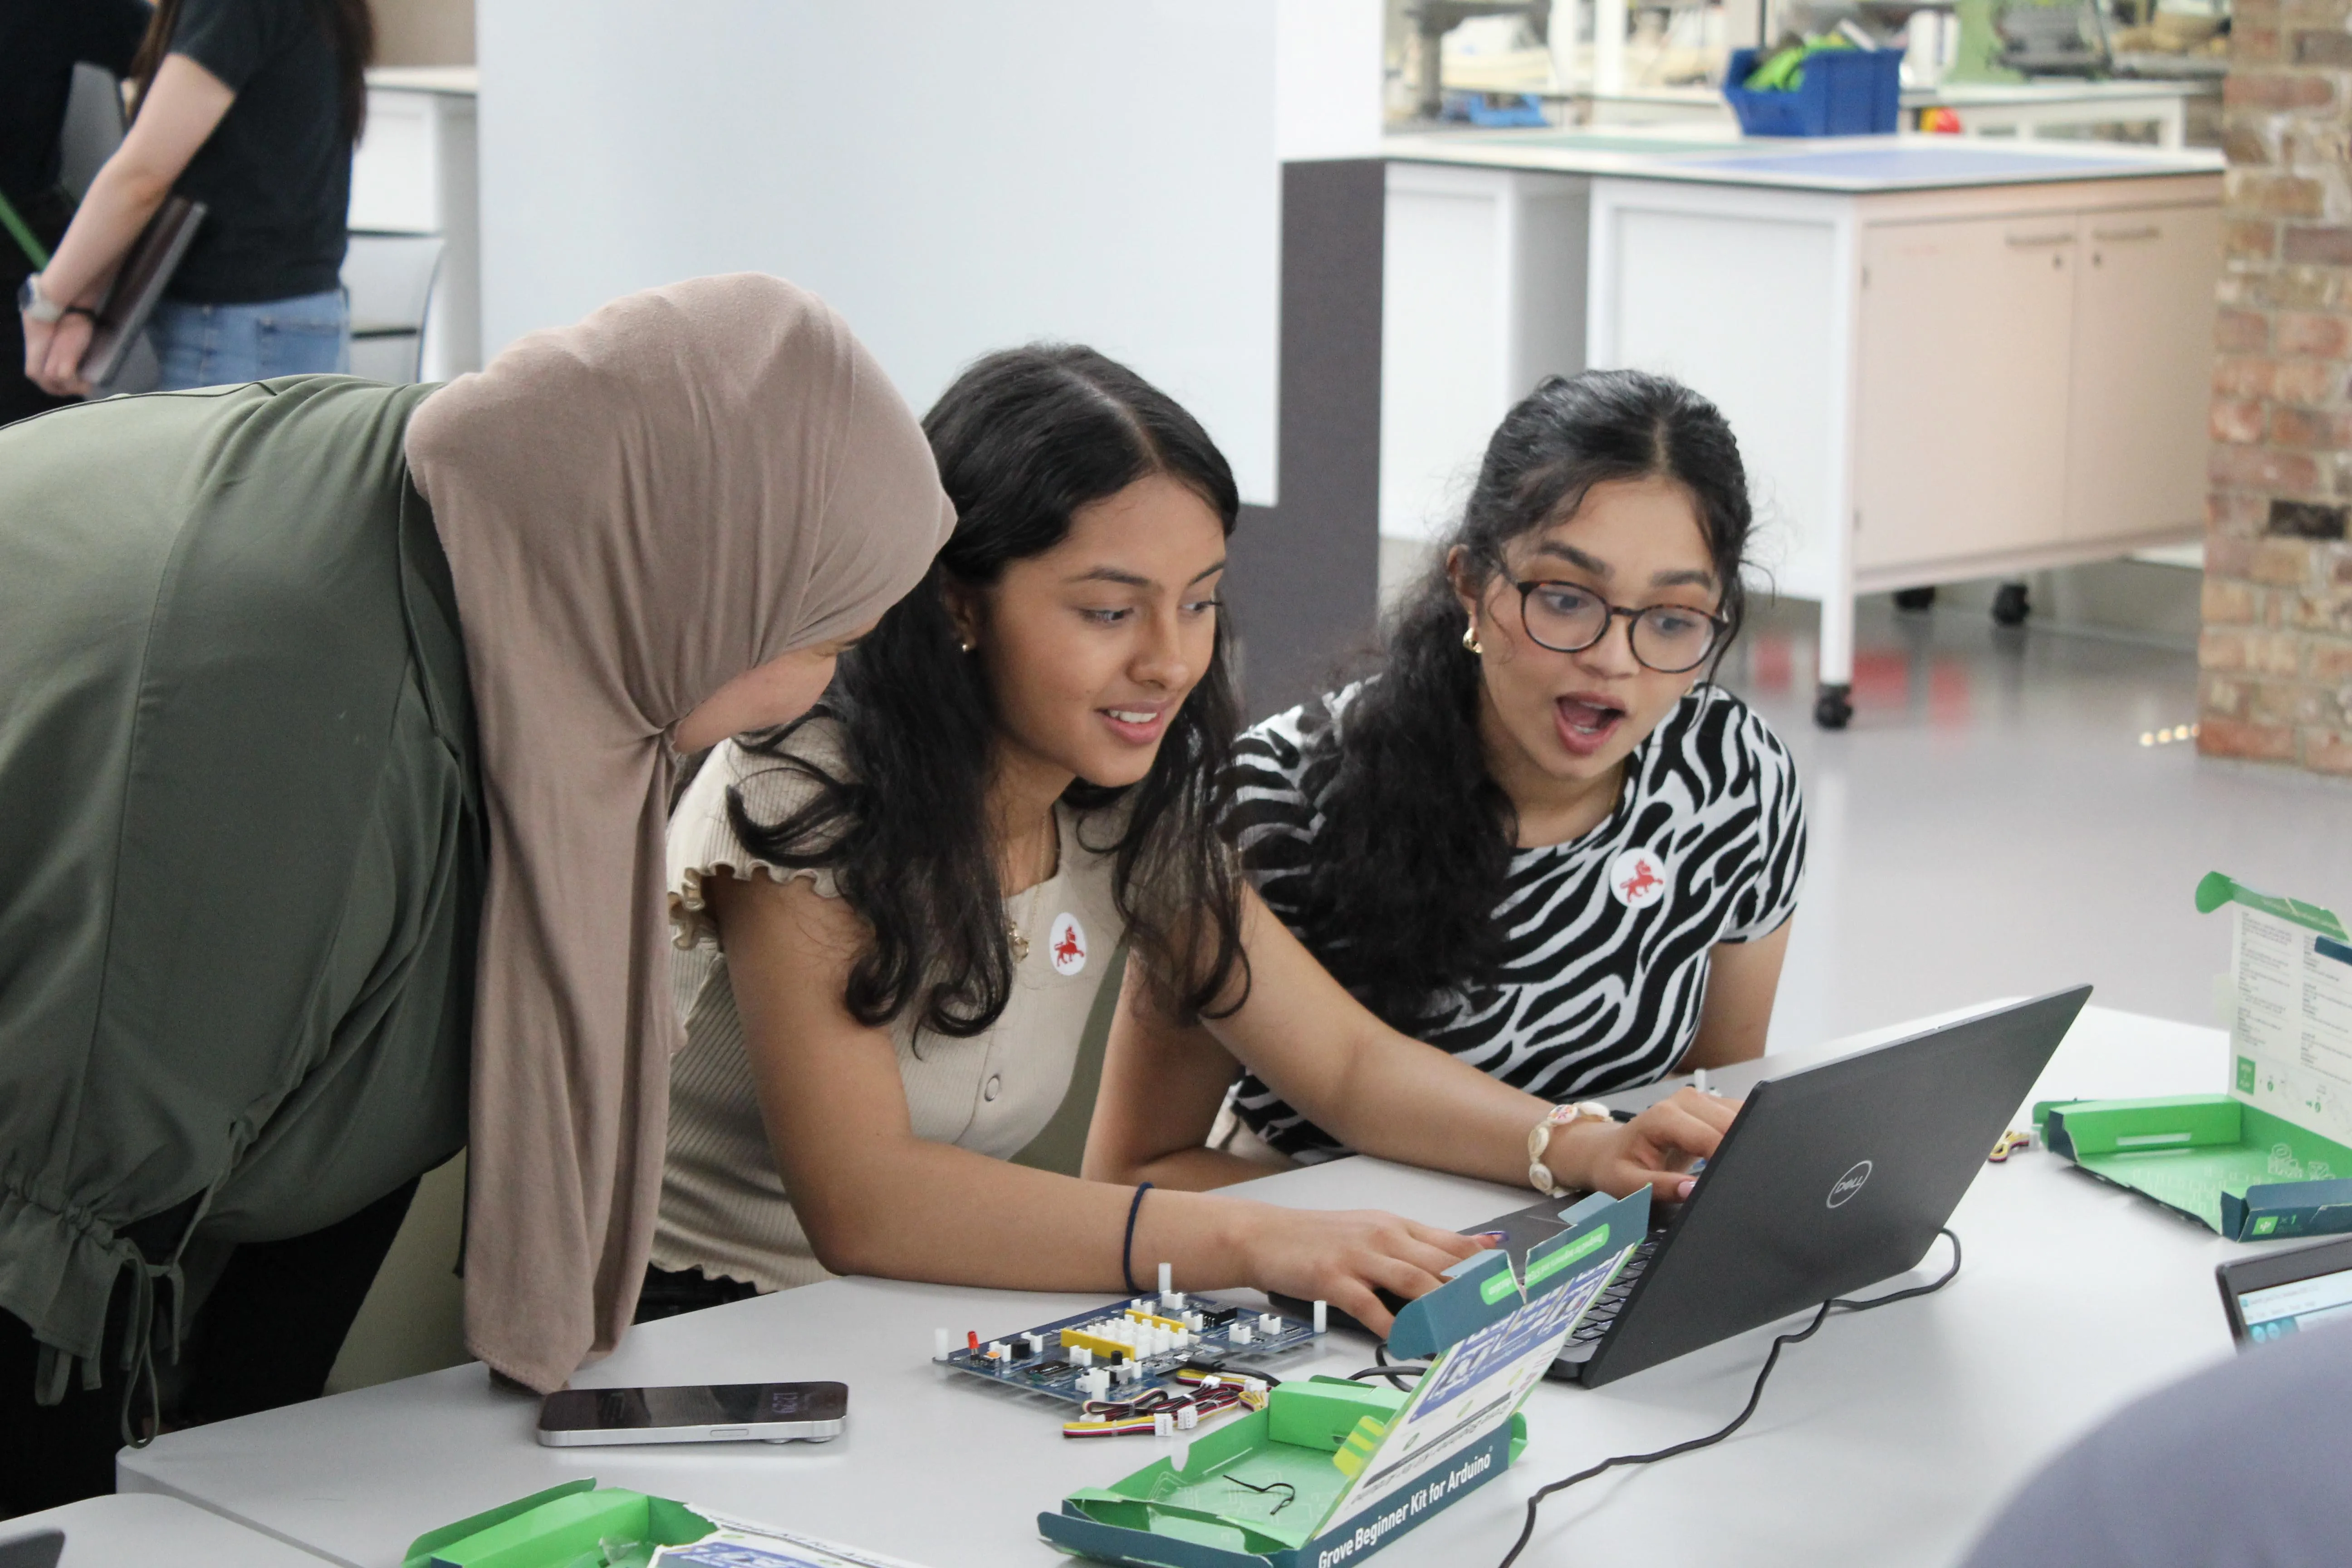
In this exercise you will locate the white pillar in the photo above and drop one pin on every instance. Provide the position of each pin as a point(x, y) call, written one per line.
point(1611, 19)
point(1565, 16)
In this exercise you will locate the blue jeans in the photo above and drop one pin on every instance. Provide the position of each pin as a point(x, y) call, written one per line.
point(227, 345)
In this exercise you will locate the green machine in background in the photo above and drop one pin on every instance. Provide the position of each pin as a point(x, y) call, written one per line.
point(1978, 57)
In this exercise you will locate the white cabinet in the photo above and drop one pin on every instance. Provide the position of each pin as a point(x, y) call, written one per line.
point(1482, 295)
point(2144, 309)
point(1960, 428)
point(1930, 384)
point(414, 172)
point(2032, 383)
point(1942, 361)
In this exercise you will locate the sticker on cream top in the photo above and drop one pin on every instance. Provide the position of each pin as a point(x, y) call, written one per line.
point(1637, 878)
point(1067, 945)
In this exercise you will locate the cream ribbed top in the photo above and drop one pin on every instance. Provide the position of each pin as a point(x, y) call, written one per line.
point(724, 1209)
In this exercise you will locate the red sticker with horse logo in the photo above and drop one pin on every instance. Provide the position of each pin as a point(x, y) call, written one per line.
point(1637, 878)
point(1069, 944)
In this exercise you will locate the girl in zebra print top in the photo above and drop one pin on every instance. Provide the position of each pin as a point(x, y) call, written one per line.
point(1537, 838)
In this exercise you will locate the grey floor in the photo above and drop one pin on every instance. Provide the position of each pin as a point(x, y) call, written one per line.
point(1991, 824)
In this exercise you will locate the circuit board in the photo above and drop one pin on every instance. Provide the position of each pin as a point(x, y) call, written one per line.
point(1118, 1351)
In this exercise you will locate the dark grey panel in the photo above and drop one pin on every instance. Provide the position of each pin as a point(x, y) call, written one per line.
point(1304, 586)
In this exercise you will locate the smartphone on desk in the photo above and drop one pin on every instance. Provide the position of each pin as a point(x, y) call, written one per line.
point(694, 1413)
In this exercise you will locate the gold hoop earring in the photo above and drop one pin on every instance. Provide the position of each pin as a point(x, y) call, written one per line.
point(1470, 643)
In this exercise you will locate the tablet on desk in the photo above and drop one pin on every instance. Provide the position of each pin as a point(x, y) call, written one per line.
point(2282, 1293)
point(40, 1548)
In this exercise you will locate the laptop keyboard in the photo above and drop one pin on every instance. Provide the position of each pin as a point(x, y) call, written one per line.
point(1602, 1316)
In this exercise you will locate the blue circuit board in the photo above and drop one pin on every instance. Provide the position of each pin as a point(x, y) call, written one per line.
point(1239, 1339)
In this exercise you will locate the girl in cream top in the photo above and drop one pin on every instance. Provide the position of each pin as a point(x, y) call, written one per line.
point(724, 1209)
point(875, 1024)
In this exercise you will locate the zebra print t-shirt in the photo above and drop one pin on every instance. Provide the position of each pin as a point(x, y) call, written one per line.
point(1607, 936)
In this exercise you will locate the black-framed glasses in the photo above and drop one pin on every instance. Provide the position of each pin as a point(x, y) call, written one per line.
point(1569, 618)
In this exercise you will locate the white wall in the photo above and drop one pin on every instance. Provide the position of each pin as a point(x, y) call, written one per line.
point(1328, 78)
point(953, 177)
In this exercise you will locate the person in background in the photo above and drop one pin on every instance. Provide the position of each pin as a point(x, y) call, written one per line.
point(41, 41)
point(250, 107)
point(2240, 1466)
point(896, 916)
point(336, 723)
point(1538, 838)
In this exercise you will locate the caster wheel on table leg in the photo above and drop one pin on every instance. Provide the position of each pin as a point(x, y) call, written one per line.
point(1832, 707)
point(1916, 598)
point(2009, 604)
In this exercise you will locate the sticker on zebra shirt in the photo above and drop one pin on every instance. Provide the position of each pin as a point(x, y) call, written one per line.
point(1068, 950)
point(1637, 878)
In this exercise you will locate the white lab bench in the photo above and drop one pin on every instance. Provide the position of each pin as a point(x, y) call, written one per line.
point(1889, 1439)
point(140, 1529)
point(1945, 358)
point(414, 172)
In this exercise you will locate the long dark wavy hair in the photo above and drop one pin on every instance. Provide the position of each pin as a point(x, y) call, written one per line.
point(350, 28)
point(1024, 439)
point(1416, 850)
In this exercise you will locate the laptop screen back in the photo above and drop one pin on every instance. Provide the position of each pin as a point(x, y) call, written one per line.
point(1834, 1177)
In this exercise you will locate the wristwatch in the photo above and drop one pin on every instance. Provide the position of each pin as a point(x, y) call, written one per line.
point(37, 306)
point(1540, 1174)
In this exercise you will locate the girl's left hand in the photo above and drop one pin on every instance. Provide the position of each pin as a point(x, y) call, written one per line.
point(1654, 1150)
point(53, 353)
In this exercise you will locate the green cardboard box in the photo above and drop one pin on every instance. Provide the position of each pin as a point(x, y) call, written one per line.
point(558, 1528)
point(2247, 1175)
point(1331, 1471)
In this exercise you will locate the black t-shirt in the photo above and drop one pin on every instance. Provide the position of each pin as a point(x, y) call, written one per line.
point(41, 41)
point(276, 173)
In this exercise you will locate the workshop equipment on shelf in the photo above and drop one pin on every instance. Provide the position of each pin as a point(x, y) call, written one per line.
point(1836, 92)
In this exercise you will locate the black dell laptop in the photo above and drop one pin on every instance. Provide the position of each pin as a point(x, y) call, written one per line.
point(1832, 1177)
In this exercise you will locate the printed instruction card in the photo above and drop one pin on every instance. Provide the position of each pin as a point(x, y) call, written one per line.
point(2291, 1033)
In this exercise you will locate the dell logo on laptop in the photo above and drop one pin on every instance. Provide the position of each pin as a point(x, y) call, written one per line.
point(1849, 1184)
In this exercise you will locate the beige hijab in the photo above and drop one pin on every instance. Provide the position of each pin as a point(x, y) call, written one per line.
point(636, 509)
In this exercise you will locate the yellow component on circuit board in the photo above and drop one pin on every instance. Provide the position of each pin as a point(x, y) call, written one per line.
point(1138, 1315)
point(1081, 1339)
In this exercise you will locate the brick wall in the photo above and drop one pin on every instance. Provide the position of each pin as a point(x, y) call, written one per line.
point(2276, 661)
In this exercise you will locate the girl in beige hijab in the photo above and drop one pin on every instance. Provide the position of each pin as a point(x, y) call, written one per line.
point(337, 726)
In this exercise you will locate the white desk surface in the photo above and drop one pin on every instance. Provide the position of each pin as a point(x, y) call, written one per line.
point(1889, 1438)
point(1849, 166)
point(119, 1531)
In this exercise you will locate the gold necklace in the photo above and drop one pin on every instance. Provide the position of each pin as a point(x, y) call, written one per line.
point(1019, 938)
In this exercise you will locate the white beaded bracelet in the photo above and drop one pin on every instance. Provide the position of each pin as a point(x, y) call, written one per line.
point(1540, 1174)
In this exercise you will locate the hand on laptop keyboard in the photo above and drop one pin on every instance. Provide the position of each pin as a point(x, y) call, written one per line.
point(1656, 1148)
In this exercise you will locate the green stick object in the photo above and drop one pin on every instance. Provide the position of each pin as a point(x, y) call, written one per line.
point(25, 241)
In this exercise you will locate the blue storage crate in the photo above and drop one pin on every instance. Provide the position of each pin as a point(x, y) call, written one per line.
point(1846, 92)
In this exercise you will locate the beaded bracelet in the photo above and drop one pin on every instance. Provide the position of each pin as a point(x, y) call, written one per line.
point(1540, 1174)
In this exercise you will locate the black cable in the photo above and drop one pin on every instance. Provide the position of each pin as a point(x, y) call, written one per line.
point(1268, 1490)
point(1392, 1371)
point(1755, 1394)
